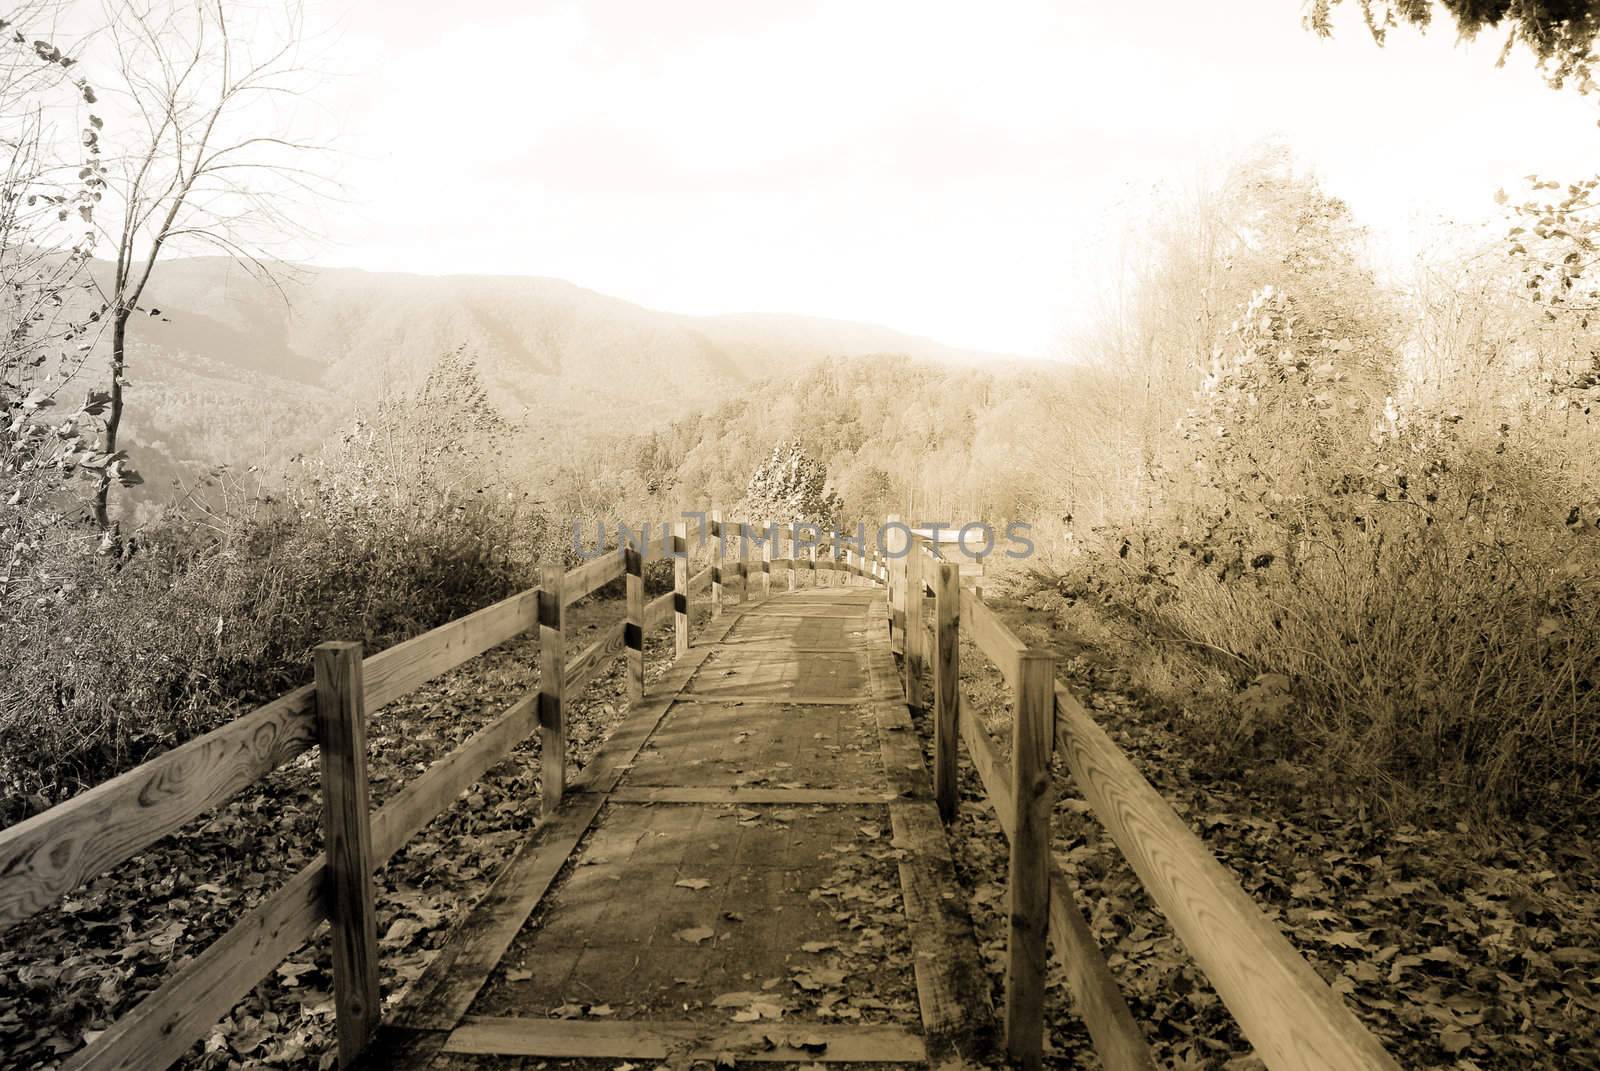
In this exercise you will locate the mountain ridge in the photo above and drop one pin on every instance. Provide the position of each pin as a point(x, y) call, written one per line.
point(247, 374)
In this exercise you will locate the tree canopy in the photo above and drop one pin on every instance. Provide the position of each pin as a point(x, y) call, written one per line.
point(1561, 33)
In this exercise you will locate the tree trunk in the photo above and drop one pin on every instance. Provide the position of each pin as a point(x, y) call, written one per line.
point(119, 339)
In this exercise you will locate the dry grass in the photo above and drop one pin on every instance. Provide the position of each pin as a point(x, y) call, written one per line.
point(1422, 659)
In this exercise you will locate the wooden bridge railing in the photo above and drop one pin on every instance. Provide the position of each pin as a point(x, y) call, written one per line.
point(46, 856)
point(1291, 1017)
point(1283, 1007)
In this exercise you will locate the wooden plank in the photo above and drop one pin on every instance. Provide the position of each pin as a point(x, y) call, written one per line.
point(347, 840)
point(561, 1039)
point(894, 547)
point(714, 794)
point(1028, 891)
point(552, 683)
point(946, 689)
point(432, 792)
point(813, 617)
point(1289, 1014)
point(589, 663)
point(780, 647)
point(163, 1026)
point(1117, 1038)
point(47, 856)
point(398, 670)
point(952, 984)
point(997, 642)
point(787, 699)
point(680, 588)
point(916, 629)
point(718, 554)
point(633, 632)
point(592, 574)
point(658, 610)
point(448, 985)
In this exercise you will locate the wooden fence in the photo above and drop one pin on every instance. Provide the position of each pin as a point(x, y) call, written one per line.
point(1291, 1017)
point(47, 856)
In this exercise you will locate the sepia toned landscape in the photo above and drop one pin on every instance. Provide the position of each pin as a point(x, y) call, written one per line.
point(623, 535)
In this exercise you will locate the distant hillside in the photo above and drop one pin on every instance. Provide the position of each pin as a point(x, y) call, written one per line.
point(249, 375)
point(896, 433)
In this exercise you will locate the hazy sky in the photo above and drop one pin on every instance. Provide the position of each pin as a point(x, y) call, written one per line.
point(962, 171)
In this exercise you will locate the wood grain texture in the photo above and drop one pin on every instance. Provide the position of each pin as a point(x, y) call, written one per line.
point(583, 667)
point(163, 1026)
point(946, 688)
point(50, 854)
point(398, 670)
point(916, 631)
point(680, 588)
point(1028, 890)
point(719, 551)
point(347, 840)
point(432, 792)
point(633, 628)
point(952, 984)
point(1289, 1014)
point(592, 574)
point(895, 542)
point(658, 611)
point(47, 856)
point(766, 568)
point(1117, 1038)
point(777, 797)
point(997, 642)
point(643, 1040)
point(552, 690)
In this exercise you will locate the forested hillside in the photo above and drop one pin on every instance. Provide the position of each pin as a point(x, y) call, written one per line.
point(238, 371)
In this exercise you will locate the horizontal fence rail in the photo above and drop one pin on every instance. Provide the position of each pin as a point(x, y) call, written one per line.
point(47, 856)
point(1292, 1018)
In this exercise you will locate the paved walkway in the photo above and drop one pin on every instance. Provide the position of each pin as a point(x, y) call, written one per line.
point(752, 868)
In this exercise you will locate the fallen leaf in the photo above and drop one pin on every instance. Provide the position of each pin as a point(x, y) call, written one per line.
point(695, 934)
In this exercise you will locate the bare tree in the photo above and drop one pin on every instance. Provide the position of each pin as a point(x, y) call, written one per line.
point(204, 161)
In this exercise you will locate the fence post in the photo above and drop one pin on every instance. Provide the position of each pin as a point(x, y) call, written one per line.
point(766, 562)
point(743, 568)
point(633, 631)
point(892, 568)
point(811, 562)
point(347, 838)
point(552, 674)
point(794, 580)
point(1033, 734)
point(916, 625)
point(680, 587)
point(716, 563)
point(946, 686)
